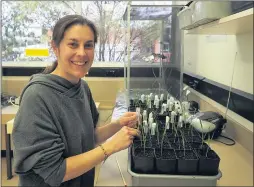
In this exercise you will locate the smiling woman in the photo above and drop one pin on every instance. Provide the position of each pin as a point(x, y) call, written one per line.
point(55, 143)
point(73, 43)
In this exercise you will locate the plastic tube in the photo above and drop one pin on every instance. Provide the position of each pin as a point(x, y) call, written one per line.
point(173, 114)
point(163, 108)
point(153, 129)
point(157, 103)
point(144, 115)
point(180, 122)
point(149, 101)
point(162, 97)
point(151, 96)
point(150, 121)
point(167, 122)
point(143, 98)
point(145, 127)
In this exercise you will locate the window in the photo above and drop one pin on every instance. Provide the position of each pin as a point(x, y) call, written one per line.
point(29, 24)
point(150, 33)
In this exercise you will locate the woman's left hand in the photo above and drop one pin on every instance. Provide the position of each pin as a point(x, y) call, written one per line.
point(129, 119)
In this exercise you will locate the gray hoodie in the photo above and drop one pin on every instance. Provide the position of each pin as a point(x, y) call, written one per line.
point(56, 120)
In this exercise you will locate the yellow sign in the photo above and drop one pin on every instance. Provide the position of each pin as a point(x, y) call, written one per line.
point(37, 52)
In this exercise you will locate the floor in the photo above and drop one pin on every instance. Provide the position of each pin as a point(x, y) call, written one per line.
point(104, 118)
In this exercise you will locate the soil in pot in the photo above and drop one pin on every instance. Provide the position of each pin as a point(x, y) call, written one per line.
point(191, 132)
point(175, 146)
point(195, 139)
point(143, 160)
point(166, 162)
point(154, 141)
point(166, 144)
point(186, 145)
point(139, 144)
point(187, 162)
point(174, 139)
point(208, 162)
point(196, 145)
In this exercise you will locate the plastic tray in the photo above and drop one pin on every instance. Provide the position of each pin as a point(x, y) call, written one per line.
point(171, 180)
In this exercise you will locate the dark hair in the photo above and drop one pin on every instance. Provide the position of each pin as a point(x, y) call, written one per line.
point(61, 26)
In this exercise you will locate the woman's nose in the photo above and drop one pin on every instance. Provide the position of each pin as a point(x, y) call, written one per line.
point(81, 52)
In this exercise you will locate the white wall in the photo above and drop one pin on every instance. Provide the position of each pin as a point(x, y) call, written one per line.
point(213, 57)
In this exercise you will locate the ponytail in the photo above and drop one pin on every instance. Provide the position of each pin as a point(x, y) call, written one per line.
point(50, 69)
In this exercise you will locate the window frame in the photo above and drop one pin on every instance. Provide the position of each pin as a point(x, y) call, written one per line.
point(106, 69)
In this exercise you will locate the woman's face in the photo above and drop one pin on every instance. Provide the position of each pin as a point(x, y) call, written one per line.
point(75, 53)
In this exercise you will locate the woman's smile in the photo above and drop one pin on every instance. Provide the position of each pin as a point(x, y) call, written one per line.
point(79, 63)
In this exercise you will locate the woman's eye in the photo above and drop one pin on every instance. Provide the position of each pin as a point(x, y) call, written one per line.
point(73, 44)
point(90, 45)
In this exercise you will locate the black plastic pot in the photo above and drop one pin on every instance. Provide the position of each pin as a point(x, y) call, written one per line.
point(191, 132)
point(165, 163)
point(195, 139)
point(166, 145)
point(176, 139)
point(139, 144)
point(208, 163)
point(187, 162)
point(185, 146)
point(143, 162)
point(196, 145)
point(175, 145)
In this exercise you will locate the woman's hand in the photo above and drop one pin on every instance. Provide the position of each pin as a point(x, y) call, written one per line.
point(121, 140)
point(129, 119)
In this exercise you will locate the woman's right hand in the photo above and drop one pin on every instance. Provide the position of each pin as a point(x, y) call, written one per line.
point(121, 140)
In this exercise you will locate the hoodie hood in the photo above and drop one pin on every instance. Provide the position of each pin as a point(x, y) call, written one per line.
point(56, 83)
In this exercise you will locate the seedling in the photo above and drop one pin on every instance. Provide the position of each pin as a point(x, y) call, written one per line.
point(164, 132)
point(208, 142)
point(145, 129)
point(158, 134)
point(183, 142)
point(202, 134)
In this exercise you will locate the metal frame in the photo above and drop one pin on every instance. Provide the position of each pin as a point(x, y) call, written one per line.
point(175, 47)
point(8, 153)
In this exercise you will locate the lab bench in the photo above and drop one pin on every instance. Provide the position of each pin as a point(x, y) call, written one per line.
point(236, 162)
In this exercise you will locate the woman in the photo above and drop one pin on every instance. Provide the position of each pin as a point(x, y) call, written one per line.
point(55, 129)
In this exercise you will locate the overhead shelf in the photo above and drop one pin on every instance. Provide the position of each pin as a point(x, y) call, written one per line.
point(238, 23)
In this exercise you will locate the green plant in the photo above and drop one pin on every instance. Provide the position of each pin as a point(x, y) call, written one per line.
point(145, 131)
point(162, 139)
point(182, 134)
point(143, 137)
point(158, 134)
point(202, 134)
point(208, 142)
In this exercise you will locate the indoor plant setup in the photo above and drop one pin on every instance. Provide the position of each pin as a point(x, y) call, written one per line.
point(168, 143)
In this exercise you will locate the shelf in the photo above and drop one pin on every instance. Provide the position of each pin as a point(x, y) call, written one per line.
point(238, 23)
